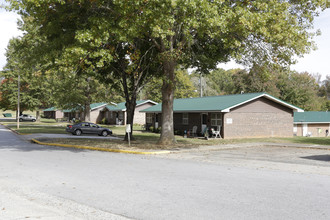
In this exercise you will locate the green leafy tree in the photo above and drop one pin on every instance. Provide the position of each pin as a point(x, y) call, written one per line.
point(300, 89)
point(189, 33)
point(203, 33)
point(34, 91)
point(85, 37)
point(183, 86)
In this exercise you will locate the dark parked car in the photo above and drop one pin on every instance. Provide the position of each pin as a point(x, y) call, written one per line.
point(88, 128)
point(27, 118)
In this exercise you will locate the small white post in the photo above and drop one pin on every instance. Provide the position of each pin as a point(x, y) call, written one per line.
point(128, 131)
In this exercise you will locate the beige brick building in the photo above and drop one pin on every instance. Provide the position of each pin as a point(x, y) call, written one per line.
point(312, 124)
point(235, 116)
point(116, 114)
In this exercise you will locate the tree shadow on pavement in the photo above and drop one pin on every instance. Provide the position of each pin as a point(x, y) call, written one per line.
point(318, 157)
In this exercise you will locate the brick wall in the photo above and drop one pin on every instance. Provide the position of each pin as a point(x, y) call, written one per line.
point(260, 118)
point(317, 130)
point(140, 117)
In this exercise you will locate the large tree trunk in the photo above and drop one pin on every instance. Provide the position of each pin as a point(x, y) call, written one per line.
point(87, 109)
point(38, 116)
point(87, 112)
point(130, 109)
point(167, 131)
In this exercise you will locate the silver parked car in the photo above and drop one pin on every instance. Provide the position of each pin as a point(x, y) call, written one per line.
point(25, 117)
point(88, 128)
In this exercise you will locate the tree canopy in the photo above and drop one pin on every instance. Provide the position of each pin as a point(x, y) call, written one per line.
point(199, 33)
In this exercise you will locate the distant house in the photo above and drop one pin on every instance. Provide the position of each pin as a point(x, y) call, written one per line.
point(116, 114)
point(316, 124)
point(77, 113)
point(236, 116)
point(53, 113)
point(95, 112)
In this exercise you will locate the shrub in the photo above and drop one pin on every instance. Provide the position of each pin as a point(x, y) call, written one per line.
point(104, 121)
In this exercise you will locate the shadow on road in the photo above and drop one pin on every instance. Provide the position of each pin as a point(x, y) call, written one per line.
point(318, 157)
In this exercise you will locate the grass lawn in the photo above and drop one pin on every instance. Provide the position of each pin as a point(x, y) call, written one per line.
point(146, 140)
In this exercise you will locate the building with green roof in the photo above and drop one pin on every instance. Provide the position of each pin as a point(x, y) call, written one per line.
point(115, 114)
point(236, 116)
point(316, 124)
point(77, 113)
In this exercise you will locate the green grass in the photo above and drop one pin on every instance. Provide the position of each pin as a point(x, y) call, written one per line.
point(144, 140)
point(40, 129)
point(147, 140)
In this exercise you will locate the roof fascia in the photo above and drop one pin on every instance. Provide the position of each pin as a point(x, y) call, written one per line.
point(296, 109)
point(197, 111)
point(311, 122)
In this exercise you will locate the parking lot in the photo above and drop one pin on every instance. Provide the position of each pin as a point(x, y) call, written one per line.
point(276, 157)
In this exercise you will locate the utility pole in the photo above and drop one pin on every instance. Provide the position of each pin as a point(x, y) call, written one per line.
point(200, 85)
point(18, 104)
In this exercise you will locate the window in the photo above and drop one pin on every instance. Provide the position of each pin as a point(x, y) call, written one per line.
point(185, 118)
point(94, 126)
point(149, 118)
point(216, 119)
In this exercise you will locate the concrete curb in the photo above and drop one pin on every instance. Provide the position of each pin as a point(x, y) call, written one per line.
point(100, 149)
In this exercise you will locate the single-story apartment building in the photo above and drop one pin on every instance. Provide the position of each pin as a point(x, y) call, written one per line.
point(236, 116)
point(53, 113)
point(315, 124)
point(77, 113)
point(116, 114)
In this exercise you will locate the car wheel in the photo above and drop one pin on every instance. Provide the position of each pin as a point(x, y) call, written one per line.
point(104, 133)
point(33, 120)
point(20, 119)
point(78, 132)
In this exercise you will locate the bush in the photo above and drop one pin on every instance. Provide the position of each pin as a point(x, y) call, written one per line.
point(104, 121)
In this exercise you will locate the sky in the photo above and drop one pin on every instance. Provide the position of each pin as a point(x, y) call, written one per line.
point(316, 62)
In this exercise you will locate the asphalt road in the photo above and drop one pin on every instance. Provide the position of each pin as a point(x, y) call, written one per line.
point(41, 182)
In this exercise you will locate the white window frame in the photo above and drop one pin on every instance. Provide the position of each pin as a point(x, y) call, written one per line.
point(185, 118)
point(216, 119)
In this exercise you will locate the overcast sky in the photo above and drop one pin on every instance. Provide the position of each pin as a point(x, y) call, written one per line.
point(315, 62)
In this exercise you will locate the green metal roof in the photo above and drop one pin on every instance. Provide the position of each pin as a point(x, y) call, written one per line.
point(50, 109)
point(122, 106)
point(311, 117)
point(97, 105)
point(92, 107)
point(113, 108)
point(216, 103)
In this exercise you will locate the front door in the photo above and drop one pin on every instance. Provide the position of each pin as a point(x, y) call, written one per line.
point(204, 121)
point(305, 130)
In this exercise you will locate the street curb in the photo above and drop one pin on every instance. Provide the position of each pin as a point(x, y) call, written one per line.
point(10, 129)
point(99, 149)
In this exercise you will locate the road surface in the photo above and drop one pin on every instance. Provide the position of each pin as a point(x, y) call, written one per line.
point(43, 182)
